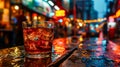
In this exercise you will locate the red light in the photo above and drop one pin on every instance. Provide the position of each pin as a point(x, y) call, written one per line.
point(34, 14)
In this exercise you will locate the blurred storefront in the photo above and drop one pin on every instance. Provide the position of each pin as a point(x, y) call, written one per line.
point(5, 26)
point(33, 10)
point(4, 14)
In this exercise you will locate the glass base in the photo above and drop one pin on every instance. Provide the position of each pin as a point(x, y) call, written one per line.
point(40, 55)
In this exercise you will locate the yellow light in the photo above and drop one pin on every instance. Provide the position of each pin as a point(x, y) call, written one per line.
point(77, 20)
point(39, 17)
point(99, 20)
point(16, 7)
point(66, 23)
point(60, 13)
point(71, 18)
point(59, 49)
point(35, 17)
point(81, 39)
point(118, 13)
point(70, 25)
point(85, 21)
point(80, 24)
point(80, 45)
point(81, 20)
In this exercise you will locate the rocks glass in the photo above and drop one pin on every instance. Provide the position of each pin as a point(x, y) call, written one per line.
point(38, 39)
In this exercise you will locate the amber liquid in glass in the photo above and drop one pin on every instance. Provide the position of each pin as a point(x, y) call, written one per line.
point(38, 40)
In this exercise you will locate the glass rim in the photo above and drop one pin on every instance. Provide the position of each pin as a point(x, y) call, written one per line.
point(35, 24)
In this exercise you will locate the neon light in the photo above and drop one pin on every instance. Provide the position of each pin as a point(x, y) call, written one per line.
point(118, 13)
point(51, 3)
point(60, 13)
point(56, 7)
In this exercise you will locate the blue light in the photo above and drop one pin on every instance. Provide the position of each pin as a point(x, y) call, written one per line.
point(38, 2)
point(108, 10)
point(91, 25)
point(51, 14)
point(104, 42)
point(45, 0)
point(50, 25)
point(71, 16)
point(60, 20)
point(92, 28)
point(96, 25)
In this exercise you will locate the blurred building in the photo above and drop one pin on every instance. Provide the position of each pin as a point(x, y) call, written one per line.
point(110, 7)
point(116, 5)
point(85, 7)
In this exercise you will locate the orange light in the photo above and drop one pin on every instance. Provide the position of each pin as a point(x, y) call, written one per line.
point(116, 50)
point(59, 45)
point(118, 13)
point(34, 14)
point(59, 49)
point(60, 13)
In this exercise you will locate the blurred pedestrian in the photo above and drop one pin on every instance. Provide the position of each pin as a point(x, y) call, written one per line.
point(105, 32)
point(111, 32)
point(87, 30)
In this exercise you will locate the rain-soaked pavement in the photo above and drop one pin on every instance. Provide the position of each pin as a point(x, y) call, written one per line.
point(94, 52)
point(91, 52)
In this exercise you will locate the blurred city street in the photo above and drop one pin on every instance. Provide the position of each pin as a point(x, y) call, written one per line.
point(59, 33)
point(93, 54)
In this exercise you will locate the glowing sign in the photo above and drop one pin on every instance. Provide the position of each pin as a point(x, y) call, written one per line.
point(118, 13)
point(60, 13)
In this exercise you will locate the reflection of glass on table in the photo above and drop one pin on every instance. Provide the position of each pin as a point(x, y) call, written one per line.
point(37, 62)
point(60, 45)
point(38, 40)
